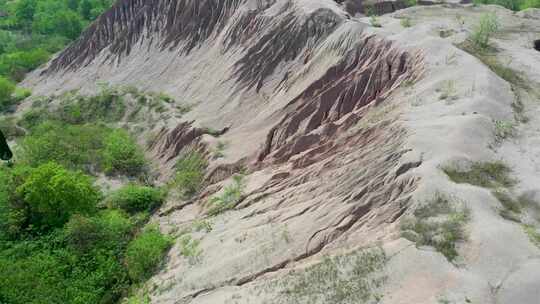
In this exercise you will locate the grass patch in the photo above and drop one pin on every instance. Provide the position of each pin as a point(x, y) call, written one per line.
point(351, 278)
point(108, 105)
point(488, 57)
point(374, 21)
point(202, 225)
point(484, 174)
point(437, 223)
point(485, 29)
point(405, 22)
point(448, 91)
point(219, 150)
point(73, 146)
point(504, 130)
point(533, 234)
point(189, 248)
point(190, 171)
point(230, 196)
point(511, 207)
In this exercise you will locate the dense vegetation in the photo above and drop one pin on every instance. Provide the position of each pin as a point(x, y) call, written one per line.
point(62, 240)
point(32, 30)
point(515, 5)
point(58, 242)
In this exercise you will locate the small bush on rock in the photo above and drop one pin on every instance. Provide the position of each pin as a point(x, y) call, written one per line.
point(439, 224)
point(484, 31)
point(190, 173)
point(122, 155)
point(145, 252)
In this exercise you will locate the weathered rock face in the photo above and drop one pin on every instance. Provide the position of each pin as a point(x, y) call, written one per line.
point(301, 95)
point(268, 48)
point(367, 73)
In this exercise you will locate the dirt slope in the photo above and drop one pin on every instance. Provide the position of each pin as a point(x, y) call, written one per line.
point(341, 130)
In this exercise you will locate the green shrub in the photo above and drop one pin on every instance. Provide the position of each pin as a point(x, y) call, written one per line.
point(12, 210)
point(15, 65)
point(137, 299)
point(405, 22)
point(75, 147)
point(43, 273)
point(525, 4)
point(32, 118)
point(511, 207)
point(486, 28)
point(21, 93)
point(438, 224)
point(122, 155)
point(190, 171)
point(133, 198)
point(230, 196)
point(58, 21)
point(189, 248)
point(51, 194)
point(374, 21)
point(145, 253)
point(512, 4)
point(6, 89)
point(108, 105)
point(110, 229)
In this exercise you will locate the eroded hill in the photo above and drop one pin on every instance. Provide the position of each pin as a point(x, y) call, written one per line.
point(384, 147)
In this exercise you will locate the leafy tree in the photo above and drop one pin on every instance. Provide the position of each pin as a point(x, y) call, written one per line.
point(54, 17)
point(86, 9)
point(73, 4)
point(24, 11)
point(52, 194)
point(12, 211)
point(15, 65)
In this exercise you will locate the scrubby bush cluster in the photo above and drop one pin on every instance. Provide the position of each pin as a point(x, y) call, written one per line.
point(133, 198)
point(230, 196)
point(515, 5)
point(58, 244)
point(61, 239)
point(190, 171)
point(484, 30)
point(88, 147)
point(438, 222)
